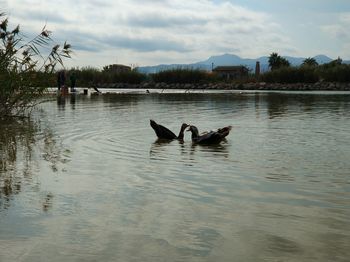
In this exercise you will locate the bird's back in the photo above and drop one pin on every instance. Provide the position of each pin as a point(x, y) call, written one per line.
point(213, 137)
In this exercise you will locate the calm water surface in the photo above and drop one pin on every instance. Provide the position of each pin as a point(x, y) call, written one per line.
point(86, 180)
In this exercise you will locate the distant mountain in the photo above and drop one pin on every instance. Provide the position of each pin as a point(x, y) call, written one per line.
point(322, 59)
point(226, 59)
point(229, 59)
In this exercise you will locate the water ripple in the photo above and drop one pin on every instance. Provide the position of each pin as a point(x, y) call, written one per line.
point(277, 189)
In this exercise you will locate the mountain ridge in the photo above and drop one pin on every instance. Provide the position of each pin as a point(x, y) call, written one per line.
point(231, 59)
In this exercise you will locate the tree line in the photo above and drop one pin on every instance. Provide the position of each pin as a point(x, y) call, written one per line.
point(281, 71)
point(308, 72)
point(29, 66)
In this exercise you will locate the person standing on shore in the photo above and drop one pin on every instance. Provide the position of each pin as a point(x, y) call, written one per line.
point(73, 81)
point(58, 80)
point(61, 79)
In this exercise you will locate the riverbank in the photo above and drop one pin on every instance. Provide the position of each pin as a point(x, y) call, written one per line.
point(319, 86)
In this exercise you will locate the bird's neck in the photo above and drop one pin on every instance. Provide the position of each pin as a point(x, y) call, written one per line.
point(194, 134)
point(181, 134)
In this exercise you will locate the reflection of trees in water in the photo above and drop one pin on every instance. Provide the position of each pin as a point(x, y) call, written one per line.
point(20, 140)
point(14, 134)
point(280, 104)
point(277, 105)
point(51, 151)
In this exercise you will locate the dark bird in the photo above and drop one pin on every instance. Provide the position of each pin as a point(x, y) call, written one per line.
point(95, 88)
point(212, 137)
point(164, 133)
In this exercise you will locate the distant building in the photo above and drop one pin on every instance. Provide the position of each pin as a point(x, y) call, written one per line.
point(231, 72)
point(257, 69)
point(117, 68)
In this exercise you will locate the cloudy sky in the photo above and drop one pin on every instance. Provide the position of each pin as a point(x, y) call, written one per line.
point(150, 32)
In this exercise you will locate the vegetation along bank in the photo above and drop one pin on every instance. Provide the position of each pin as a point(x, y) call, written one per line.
point(334, 75)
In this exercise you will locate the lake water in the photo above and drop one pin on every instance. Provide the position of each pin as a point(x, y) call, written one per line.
point(86, 180)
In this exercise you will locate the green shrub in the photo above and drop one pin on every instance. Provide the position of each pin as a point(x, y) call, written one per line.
point(183, 76)
point(303, 74)
point(92, 76)
point(335, 72)
point(132, 77)
point(25, 68)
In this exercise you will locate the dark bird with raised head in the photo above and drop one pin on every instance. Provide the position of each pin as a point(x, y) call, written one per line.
point(212, 137)
point(164, 133)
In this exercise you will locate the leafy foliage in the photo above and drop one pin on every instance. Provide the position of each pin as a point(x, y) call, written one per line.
point(23, 66)
point(309, 62)
point(334, 71)
point(276, 61)
point(93, 76)
point(310, 72)
point(183, 76)
point(291, 75)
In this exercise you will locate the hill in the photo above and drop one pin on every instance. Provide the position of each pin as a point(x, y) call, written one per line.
point(230, 59)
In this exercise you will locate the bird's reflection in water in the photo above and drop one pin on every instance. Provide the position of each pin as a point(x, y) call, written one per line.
point(215, 149)
point(162, 149)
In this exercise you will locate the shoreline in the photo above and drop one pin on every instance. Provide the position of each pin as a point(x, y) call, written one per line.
point(319, 86)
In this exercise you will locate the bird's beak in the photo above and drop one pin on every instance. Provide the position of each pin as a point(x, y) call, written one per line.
point(189, 128)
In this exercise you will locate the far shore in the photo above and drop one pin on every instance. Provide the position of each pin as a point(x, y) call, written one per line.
point(319, 86)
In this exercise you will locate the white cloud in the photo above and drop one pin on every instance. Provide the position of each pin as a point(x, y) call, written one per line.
point(150, 32)
point(339, 33)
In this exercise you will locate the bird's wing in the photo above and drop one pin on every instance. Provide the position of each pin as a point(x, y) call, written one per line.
point(213, 137)
point(162, 131)
point(168, 134)
point(207, 137)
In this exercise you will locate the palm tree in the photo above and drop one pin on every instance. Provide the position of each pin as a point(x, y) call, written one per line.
point(276, 61)
point(284, 62)
point(309, 62)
